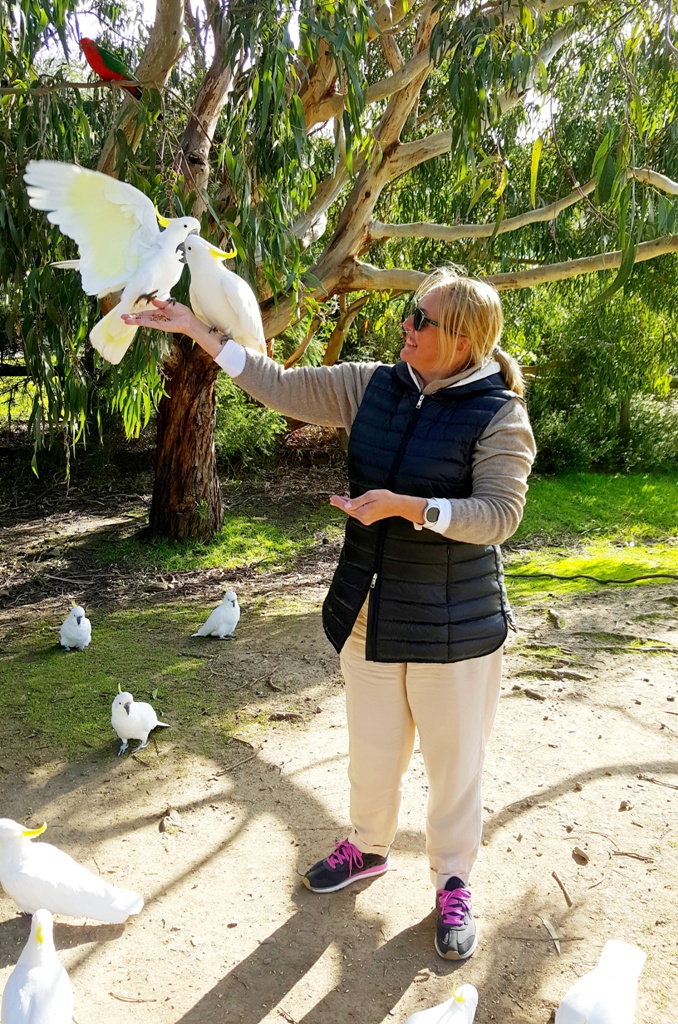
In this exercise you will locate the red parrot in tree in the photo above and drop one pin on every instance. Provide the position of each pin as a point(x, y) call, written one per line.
point(107, 66)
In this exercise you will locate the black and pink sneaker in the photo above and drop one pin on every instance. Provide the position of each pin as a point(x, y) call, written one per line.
point(344, 865)
point(456, 935)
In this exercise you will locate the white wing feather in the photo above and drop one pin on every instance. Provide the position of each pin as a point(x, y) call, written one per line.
point(50, 878)
point(112, 222)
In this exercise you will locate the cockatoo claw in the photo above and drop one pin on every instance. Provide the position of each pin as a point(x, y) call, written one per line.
point(148, 296)
point(140, 747)
point(123, 748)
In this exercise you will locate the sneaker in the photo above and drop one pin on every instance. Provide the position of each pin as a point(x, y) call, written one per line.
point(456, 935)
point(344, 865)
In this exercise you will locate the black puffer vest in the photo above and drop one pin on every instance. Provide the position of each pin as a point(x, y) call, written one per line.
point(431, 599)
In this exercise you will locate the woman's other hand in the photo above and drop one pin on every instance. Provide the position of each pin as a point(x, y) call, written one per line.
point(374, 505)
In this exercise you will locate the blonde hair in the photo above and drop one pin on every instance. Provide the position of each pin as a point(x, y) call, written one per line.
point(470, 308)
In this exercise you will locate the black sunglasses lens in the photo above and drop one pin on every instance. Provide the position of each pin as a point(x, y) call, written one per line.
point(418, 318)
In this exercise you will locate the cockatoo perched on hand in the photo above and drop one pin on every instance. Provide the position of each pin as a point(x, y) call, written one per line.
point(38, 990)
point(223, 620)
point(39, 875)
point(219, 297)
point(76, 629)
point(121, 245)
point(133, 720)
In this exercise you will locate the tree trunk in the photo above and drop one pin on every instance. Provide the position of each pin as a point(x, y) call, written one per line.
point(186, 491)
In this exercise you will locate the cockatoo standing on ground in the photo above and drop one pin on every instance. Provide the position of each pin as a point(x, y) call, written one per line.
point(223, 620)
point(39, 875)
point(460, 1009)
point(76, 629)
point(38, 990)
point(133, 720)
point(219, 297)
point(607, 994)
point(121, 245)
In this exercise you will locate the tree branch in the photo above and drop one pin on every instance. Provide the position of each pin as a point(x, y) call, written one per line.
point(451, 233)
point(164, 44)
point(365, 277)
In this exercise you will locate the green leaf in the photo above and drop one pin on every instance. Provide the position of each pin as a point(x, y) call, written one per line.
point(623, 274)
point(534, 168)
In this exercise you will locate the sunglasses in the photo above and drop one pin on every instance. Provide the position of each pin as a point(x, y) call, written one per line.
point(419, 318)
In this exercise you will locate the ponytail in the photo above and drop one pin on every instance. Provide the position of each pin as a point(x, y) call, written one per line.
point(511, 371)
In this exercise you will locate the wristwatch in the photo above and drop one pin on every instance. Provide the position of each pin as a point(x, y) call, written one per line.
point(431, 512)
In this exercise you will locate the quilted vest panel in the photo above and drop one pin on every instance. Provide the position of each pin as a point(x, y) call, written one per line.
point(431, 599)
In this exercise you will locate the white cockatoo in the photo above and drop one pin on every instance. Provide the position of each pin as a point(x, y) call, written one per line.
point(38, 990)
point(76, 629)
point(219, 297)
point(223, 620)
point(121, 246)
point(607, 994)
point(40, 876)
point(460, 1009)
point(133, 720)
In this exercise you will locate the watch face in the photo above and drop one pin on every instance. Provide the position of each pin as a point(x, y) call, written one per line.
point(432, 514)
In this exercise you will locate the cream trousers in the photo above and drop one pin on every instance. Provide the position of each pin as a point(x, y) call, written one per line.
point(453, 708)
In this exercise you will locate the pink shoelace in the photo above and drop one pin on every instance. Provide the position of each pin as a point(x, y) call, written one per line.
point(453, 906)
point(346, 851)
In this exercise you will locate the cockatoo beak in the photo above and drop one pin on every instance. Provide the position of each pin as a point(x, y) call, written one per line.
point(31, 833)
point(78, 619)
point(219, 254)
point(181, 251)
point(127, 707)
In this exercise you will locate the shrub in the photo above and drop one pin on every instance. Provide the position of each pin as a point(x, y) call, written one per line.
point(246, 433)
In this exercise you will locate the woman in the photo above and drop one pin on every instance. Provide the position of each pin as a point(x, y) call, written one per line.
point(439, 455)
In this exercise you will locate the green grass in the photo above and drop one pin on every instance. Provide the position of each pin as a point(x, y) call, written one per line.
point(55, 700)
point(611, 527)
point(618, 507)
point(268, 541)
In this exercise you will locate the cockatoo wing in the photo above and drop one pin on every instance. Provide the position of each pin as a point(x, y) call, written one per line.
point(112, 222)
point(246, 327)
point(212, 624)
point(50, 878)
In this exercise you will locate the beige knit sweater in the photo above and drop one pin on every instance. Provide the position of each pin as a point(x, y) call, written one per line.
point(330, 396)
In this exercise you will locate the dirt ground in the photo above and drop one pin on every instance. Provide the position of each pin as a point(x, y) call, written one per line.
point(581, 782)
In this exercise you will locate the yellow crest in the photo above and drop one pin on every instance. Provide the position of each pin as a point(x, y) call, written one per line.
point(31, 833)
point(162, 221)
point(220, 254)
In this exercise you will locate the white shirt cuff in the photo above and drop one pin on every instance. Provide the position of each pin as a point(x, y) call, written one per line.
point(444, 519)
point(232, 358)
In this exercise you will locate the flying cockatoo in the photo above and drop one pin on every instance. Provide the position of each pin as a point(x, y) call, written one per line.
point(219, 297)
point(607, 994)
point(76, 629)
point(223, 620)
point(460, 1009)
point(133, 720)
point(121, 246)
point(38, 990)
point(40, 876)
point(107, 66)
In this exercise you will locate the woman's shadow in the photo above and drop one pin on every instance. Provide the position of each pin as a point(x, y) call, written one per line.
point(368, 975)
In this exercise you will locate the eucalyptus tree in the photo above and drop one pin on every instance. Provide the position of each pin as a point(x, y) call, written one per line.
point(343, 146)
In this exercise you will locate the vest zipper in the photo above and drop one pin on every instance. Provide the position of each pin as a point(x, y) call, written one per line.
point(371, 632)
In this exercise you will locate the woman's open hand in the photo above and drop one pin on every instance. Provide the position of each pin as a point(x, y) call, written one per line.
point(172, 317)
point(378, 504)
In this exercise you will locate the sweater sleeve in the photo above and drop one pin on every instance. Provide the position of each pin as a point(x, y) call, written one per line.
point(501, 465)
point(326, 395)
